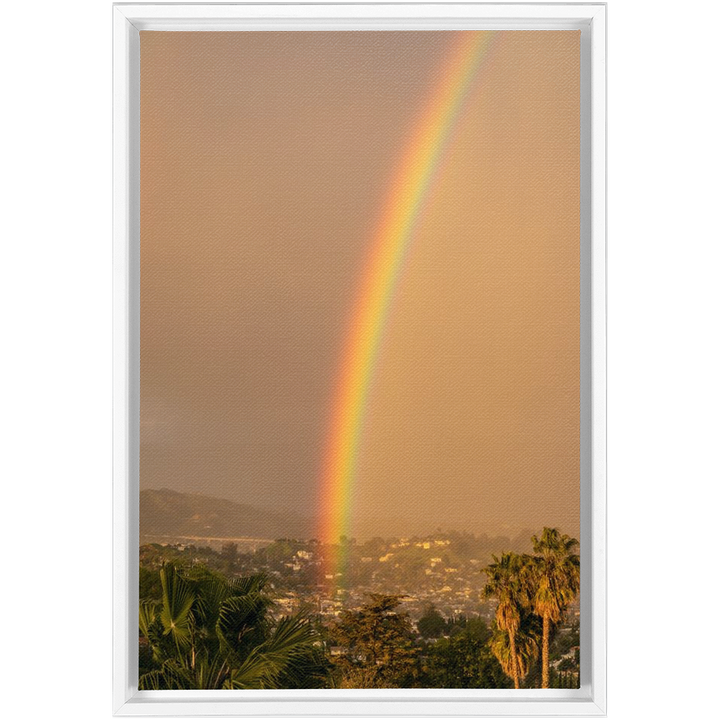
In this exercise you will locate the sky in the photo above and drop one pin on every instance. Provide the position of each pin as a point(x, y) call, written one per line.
point(267, 161)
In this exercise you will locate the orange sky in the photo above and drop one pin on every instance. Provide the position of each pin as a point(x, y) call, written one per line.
point(265, 159)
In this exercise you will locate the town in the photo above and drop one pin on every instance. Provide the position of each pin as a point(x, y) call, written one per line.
point(441, 570)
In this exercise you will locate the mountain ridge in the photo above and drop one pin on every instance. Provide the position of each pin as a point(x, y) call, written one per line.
point(165, 512)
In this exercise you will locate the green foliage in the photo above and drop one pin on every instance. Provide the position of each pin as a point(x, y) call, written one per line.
point(204, 626)
point(376, 646)
point(229, 552)
point(533, 593)
point(432, 624)
point(555, 568)
point(463, 660)
point(150, 586)
point(526, 640)
point(509, 583)
point(210, 633)
point(281, 550)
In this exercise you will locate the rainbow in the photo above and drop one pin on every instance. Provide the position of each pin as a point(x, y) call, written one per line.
point(407, 193)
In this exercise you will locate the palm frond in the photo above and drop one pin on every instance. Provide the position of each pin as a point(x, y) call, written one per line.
point(240, 616)
point(211, 590)
point(248, 585)
point(178, 598)
point(171, 676)
point(527, 646)
point(148, 615)
point(267, 662)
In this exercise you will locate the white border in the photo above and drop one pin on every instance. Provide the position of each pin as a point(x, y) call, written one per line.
point(128, 20)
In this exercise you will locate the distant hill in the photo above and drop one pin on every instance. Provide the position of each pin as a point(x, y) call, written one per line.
point(174, 514)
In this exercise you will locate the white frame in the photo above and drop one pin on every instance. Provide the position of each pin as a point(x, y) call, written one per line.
point(128, 20)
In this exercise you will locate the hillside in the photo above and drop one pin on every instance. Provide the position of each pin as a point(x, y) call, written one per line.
point(174, 514)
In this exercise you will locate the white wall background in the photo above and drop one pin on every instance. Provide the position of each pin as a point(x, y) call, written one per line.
point(663, 357)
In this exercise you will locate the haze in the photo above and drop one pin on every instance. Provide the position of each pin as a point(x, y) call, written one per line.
point(265, 161)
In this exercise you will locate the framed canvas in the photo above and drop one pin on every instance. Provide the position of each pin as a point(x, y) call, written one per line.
point(359, 359)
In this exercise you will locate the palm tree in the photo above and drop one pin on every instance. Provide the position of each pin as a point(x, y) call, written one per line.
point(527, 645)
point(508, 583)
point(556, 583)
point(210, 633)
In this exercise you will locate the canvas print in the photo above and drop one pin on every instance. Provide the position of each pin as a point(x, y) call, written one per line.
point(359, 360)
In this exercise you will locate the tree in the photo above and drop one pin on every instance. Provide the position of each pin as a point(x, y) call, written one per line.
point(150, 587)
point(463, 660)
point(211, 633)
point(376, 648)
point(432, 624)
point(508, 583)
point(556, 582)
point(526, 641)
point(229, 552)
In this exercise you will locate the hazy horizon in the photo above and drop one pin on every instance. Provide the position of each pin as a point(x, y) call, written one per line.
point(266, 160)
point(397, 527)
